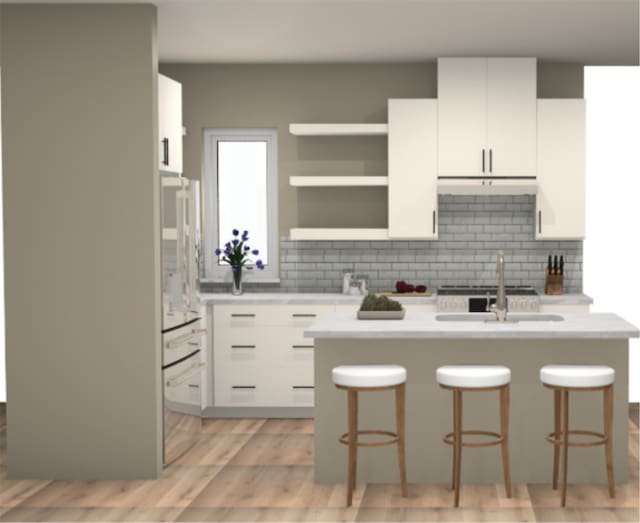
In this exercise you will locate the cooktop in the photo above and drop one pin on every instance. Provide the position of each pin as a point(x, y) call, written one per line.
point(482, 290)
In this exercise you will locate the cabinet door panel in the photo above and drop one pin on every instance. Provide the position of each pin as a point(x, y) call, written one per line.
point(170, 124)
point(413, 177)
point(560, 202)
point(511, 116)
point(462, 115)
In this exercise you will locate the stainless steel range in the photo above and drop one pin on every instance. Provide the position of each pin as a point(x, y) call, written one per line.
point(477, 298)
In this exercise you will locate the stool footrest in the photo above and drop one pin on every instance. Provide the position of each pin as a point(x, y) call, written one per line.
point(394, 438)
point(497, 438)
point(556, 438)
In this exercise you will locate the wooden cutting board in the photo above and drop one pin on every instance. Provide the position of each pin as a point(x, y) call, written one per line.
point(406, 294)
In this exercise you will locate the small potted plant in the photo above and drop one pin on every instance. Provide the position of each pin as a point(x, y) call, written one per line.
point(380, 308)
point(236, 253)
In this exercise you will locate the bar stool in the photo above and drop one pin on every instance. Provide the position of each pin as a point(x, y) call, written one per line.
point(563, 379)
point(475, 378)
point(360, 378)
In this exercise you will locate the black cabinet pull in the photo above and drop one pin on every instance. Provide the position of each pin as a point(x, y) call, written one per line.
point(303, 387)
point(304, 315)
point(243, 387)
point(482, 160)
point(243, 315)
point(434, 221)
point(302, 346)
point(539, 222)
point(490, 160)
point(243, 346)
point(165, 151)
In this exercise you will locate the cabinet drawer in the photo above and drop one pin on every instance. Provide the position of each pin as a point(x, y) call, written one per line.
point(242, 387)
point(245, 316)
point(264, 386)
point(263, 345)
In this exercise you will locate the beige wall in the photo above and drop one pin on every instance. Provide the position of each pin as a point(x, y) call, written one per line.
point(82, 273)
point(277, 95)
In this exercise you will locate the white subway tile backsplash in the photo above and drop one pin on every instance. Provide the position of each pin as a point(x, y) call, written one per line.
point(471, 230)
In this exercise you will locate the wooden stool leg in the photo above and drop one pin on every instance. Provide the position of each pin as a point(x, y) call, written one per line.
point(565, 442)
point(608, 430)
point(453, 447)
point(457, 435)
point(400, 421)
point(504, 430)
point(556, 429)
point(353, 448)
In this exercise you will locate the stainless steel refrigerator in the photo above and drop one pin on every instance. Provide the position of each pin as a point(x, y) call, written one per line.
point(184, 338)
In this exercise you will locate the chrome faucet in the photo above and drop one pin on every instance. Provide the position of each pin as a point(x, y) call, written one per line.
point(500, 306)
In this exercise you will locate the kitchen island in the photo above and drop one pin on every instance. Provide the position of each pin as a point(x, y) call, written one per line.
point(422, 342)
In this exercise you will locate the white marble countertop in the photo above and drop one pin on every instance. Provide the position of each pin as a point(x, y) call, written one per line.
point(286, 298)
point(425, 325)
point(565, 299)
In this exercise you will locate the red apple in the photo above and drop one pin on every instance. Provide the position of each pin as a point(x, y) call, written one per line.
point(409, 288)
point(421, 288)
point(401, 286)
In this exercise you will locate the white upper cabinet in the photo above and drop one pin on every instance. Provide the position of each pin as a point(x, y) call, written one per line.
point(560, 202)
point(170, 124)
point(511, 116)
point(413, 177)
point(487, 116)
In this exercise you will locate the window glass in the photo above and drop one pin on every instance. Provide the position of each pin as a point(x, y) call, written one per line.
point(242, 192)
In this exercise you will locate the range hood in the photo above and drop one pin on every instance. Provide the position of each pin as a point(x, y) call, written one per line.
point(487, 185)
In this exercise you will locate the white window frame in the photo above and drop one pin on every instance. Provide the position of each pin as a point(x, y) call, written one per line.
point(222, 273)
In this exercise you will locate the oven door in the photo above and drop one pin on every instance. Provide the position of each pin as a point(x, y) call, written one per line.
point(480, 304)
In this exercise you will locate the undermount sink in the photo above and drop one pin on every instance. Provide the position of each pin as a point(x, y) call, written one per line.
point(491, 318)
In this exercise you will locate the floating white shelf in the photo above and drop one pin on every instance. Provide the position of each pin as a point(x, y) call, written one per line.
point(169, 234)
point(338, 234)
point(338, 129)
point(339, 181)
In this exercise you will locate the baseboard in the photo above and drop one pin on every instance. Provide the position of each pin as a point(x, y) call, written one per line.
point(183, 408)
point(257, 412)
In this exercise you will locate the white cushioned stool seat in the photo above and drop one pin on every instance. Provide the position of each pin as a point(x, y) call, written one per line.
point(369, 375)
point(577, 375)
point(473, 376)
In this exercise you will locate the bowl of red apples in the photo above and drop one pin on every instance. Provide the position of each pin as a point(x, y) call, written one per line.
point(403, 287)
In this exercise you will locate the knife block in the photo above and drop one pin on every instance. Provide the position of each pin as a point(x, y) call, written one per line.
point(554, 284)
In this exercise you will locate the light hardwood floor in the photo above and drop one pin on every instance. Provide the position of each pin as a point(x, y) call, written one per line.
point(261, 470)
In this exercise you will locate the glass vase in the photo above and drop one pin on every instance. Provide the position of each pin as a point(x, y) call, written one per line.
point(236, 286)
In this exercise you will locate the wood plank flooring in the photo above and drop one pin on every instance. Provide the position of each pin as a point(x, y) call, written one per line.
point(262, 470)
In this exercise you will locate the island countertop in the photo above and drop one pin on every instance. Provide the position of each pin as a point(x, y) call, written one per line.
point(425, 325)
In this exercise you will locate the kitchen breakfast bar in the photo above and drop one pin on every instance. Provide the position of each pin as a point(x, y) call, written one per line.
point(421, 343)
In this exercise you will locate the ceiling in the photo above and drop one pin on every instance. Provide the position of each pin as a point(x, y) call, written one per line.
point(592, 32)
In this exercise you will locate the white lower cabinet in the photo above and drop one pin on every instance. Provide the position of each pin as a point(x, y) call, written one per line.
point(261, 357)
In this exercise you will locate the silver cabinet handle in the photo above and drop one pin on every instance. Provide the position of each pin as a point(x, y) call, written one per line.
point(490, 160)
point(243, 315)
point(303, 315)
point(539, 222)
point(303, 387)
point(243, 346)
point(243, 387)
point(434, 221)
point(302, 346)
point(482, 160)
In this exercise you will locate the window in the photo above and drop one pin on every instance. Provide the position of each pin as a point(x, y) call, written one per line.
point(241, 192)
